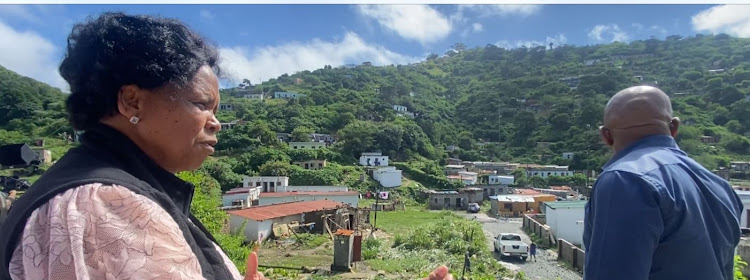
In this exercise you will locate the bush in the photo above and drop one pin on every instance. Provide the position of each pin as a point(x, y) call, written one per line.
point(205, 207)
point(371, 248)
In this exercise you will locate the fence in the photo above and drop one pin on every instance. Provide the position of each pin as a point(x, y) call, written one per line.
point(531, 225)
point(570, 254)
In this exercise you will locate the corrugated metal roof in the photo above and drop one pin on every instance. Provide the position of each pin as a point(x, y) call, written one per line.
point(515, 198)
point(567, 204)
point(279, 194)
point(261, 213)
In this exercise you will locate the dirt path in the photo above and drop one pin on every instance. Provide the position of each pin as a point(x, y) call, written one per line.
point(545, 268)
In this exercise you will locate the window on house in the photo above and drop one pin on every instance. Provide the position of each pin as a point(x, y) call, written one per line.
point(447, 201)
point(436, 201)
point(508, 206)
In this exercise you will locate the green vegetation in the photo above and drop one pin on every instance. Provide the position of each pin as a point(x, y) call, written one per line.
point(526, 105)
point(739, 265)
point(418, 249)
point(205, 207)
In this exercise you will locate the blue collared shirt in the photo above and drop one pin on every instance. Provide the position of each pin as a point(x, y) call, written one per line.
point(657, 214)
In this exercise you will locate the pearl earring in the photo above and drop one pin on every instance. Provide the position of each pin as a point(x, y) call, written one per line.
point(134, 120)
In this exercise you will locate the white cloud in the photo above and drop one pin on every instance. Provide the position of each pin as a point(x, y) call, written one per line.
point(419, 23)
point(477, 27)
point(273, 61)
point(730, 19)
point(495, 10)
point(651, 30)
point(207, 15)
point(31, 55)
point(20, 12)
point(609, 33)
point(556, 41)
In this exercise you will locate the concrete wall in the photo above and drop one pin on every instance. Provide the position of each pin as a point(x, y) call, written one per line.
point(530, 225)
point(382, 160)
point(501, 180)
point(570, 254)
point(388, 177)
point(352, 200)
point(259, 229)
point(743, 250)
point(566, 223)
point(315, 189)
point(743, 218)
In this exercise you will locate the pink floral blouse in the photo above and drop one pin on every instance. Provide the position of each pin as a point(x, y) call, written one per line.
point(104, 232)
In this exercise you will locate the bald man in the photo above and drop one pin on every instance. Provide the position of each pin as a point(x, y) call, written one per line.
point(654, 213)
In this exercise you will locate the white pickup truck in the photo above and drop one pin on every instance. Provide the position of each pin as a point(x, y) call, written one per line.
point(510, 245)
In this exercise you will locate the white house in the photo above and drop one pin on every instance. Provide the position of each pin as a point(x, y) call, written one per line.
point(452, 169)
point(568, 155)
point(260, 219)
point(451, 148)
point(314, 189)
point(399, 108)
point(307, 145)
point(258, 96)
point(388, 177)
point(373, 159)
point(565, 219)
point(502, 180)
point(545, 171)
point(269, 183)
point(243, 197)
point(287, 95)
point(466, 177)
point(351, 198)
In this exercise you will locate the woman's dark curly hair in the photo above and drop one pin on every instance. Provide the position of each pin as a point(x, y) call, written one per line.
point(115, 49)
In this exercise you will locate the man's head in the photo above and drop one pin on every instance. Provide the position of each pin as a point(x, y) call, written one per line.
point(637, 112)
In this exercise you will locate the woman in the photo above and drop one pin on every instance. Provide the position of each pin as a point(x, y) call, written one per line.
point(145, 91)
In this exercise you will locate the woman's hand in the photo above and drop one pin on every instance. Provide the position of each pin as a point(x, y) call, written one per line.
point(252, 268)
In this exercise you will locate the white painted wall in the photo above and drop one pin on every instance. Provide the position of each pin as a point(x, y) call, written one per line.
point(566, 222)
point(307, 145)
point(315, 188)
point(382, 160)
point(501, 180)
point(255, 229)
point(388, 177)
point(745, 209)
point(545, 174)
point(348, 199)
point(278, 182)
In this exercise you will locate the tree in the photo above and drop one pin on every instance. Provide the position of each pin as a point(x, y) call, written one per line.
point(465, 140)
point(302, 134)
point(275, 168)
point(253, 160)
point(538, 182)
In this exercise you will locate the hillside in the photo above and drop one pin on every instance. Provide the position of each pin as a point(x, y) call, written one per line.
point(528, 105)
point(498, 104)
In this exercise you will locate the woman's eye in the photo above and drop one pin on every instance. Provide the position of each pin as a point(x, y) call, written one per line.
point(200, 105)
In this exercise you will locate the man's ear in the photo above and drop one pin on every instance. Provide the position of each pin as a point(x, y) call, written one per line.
point(606, 135)
point(674, 126)
point(129, 101)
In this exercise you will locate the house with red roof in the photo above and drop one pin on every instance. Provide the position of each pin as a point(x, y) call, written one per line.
point(259, 220)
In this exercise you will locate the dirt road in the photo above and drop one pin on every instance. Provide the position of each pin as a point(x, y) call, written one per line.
point(545, 268)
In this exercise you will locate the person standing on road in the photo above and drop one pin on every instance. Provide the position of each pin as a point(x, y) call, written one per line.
point(532, 251)
point(655, 213)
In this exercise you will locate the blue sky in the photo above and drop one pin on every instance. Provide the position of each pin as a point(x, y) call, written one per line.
point(263, 41)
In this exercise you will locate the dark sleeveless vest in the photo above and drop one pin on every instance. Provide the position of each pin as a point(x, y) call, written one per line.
point(107, 156)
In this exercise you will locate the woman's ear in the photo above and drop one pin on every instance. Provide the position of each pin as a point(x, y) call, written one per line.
point(129, 101)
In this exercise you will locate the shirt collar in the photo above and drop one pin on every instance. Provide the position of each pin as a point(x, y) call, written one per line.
point(652, 141)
